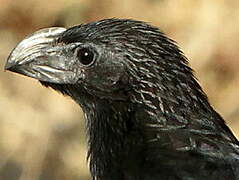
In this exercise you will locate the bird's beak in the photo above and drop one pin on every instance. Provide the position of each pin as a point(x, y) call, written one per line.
point(40, 56)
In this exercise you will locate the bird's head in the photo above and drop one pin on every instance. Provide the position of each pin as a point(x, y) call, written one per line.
point(128, 77)
point(106, 59)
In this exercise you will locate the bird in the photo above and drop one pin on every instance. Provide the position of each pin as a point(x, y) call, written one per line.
point(147, 117)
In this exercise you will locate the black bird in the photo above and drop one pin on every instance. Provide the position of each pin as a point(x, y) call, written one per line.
point(147, 117)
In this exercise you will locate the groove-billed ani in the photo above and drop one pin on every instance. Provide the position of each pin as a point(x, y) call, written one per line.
point(147, 117)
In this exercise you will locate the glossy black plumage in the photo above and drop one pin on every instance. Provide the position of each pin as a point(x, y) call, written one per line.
point(147, 117)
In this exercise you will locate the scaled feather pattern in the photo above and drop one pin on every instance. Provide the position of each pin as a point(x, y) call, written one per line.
point(147, 117)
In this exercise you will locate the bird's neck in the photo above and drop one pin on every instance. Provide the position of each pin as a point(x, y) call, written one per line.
point(115, 141)
point(123, 135)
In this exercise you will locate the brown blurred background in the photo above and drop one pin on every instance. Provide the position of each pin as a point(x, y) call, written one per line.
point(42, 134)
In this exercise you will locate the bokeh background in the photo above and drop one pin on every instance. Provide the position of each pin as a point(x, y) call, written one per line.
point(42, 134)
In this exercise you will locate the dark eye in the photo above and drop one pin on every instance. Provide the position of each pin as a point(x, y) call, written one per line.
point(86, 56)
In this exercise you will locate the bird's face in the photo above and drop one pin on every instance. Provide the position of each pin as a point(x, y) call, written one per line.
point(50, 56)
point(108, 59)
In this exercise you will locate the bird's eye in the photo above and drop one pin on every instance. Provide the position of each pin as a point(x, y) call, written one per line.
point(85, 56)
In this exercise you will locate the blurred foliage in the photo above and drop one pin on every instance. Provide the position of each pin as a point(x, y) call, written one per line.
point(42, 134)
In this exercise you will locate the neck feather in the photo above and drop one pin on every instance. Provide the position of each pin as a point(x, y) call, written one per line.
point(114, 139)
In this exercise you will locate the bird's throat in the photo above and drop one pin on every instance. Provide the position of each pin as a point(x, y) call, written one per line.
point(114, 140)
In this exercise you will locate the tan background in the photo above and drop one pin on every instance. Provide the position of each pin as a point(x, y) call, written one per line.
point(42, 133)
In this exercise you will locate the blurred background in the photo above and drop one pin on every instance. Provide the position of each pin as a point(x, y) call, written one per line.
point(42, 134)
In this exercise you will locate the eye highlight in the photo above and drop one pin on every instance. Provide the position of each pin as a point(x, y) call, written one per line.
point(86, 56)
